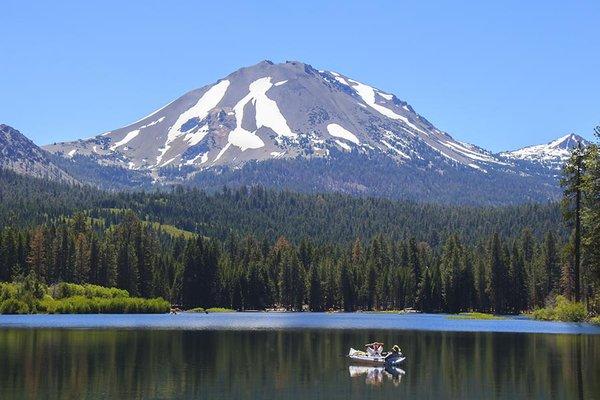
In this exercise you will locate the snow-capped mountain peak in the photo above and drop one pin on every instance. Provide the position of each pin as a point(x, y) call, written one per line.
point(552, 154)
point(272, 111)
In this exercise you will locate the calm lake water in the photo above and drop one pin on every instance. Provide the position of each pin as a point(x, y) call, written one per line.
point(293, 356)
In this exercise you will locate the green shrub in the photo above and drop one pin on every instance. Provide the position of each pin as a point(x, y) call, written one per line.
point(64, 290)
point(563, 310)
point(595, 320)
point(544, 314)
point(104, 292)
point(102, 305)
point(8, 290)
point(48, 305)
point(30, 296)
point(14, 306)
point(569, 310)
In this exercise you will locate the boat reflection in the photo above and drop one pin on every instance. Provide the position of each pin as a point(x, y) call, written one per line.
point(376, 375)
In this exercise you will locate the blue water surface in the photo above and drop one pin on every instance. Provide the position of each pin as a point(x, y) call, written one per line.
point(277, 320)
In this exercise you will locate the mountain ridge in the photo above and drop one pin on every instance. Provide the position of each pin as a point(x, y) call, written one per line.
point(290, 125)
point(20, 154)
point(552, 154)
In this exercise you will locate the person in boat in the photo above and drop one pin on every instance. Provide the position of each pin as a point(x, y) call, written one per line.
point(374, 349)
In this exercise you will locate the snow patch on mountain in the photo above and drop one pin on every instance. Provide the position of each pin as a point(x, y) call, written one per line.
point(267, 114)
point(343, 145)
point(367, 93)
point(131, 135)
point(393, 148)
point(464, 149)
point(200, 110)
point(386, 96)
point(339, 78)
point(341, 132)
point(125, 140)
point(196, 137)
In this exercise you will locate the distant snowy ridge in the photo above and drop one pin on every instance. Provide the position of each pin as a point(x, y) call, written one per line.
point(552, 154)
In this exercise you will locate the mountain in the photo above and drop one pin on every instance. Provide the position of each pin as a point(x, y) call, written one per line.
point(21, 155)
point(551, 155)
point(273, 111)
point(292, 126)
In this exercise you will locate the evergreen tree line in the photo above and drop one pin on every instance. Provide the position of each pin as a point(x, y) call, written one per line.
point(498, 274)
point(264, 213)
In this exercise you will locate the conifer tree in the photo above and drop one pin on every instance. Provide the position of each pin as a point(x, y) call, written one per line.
point(81, 266)
point(498, 278)
point(315, 299)
point(573, 172)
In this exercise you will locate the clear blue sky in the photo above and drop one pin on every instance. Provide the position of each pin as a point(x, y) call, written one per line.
point(498, 74)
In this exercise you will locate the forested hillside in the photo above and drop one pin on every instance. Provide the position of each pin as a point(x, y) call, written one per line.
point(268, 214)
point(255, 248)
point(379, 176)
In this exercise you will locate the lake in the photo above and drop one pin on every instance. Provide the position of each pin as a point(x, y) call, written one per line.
point(293, 356)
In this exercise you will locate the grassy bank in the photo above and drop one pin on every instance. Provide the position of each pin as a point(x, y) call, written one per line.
point(475, 315)
point(31, 297)
point(210, 310)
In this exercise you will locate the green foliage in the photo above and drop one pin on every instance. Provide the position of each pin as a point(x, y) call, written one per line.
point(102, 305)
point(28, 295)
point(248, 274)
point(8, 290)
point(63, 290)
point(581, 209)
point(14, 306)
point(99, 305)
point(563, 310)
point(544, 314)
point(253, 248)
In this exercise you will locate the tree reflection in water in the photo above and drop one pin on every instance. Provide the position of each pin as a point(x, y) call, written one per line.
point(292, 364)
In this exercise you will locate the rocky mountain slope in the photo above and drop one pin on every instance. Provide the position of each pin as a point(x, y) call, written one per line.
point(21, 155)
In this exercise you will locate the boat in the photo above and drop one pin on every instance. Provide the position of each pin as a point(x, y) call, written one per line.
point(373, 357)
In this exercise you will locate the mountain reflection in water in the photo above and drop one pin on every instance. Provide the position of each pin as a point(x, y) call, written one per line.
point(291, 364)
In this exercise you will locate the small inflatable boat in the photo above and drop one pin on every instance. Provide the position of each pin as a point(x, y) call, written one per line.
point(384, 358)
